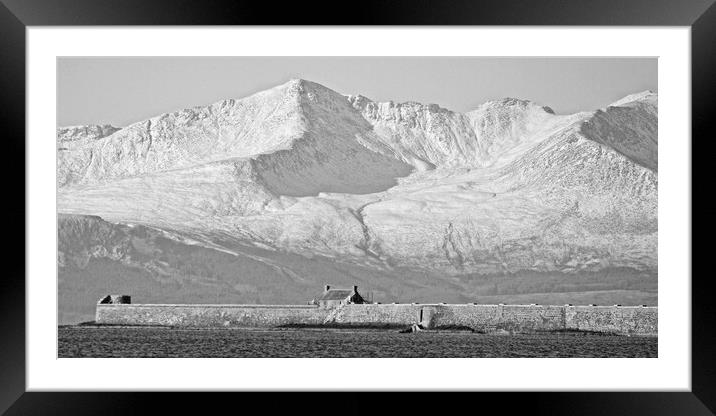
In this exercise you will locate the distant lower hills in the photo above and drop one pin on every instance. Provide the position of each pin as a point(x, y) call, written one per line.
point(267, 198)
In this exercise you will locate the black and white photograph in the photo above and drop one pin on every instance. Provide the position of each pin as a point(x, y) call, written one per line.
point(481, 197)
point(323, 207)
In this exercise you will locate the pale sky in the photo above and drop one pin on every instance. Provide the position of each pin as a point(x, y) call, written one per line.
point(124, 90)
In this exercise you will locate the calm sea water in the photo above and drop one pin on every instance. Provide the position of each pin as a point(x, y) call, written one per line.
point(168, 342)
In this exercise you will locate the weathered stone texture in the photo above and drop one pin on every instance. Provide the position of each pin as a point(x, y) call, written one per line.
point(210, 315)
point(484, 318)
point(376, 314)
point(616, 319)
point(514, 318)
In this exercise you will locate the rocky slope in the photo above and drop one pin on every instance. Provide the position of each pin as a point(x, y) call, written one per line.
point(302, 171)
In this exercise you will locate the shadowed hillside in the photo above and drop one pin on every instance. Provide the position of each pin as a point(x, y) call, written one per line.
point(97, 258)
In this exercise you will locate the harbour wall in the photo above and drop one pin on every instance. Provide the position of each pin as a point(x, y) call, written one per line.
point(624, 320)
point(210, 315)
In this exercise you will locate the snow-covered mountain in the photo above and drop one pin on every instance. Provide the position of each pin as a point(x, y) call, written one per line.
point(300, 170)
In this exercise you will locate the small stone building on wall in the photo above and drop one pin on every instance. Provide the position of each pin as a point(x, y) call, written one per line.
point(332, 298)
point(115, 299)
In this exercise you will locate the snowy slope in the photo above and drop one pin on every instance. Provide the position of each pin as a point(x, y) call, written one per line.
point(299, 169)
point(295, 139)
point(628, 126)
point(424, 136)
point(81, 135)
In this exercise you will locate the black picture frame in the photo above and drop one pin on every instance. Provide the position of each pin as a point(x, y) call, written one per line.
point(16, 15)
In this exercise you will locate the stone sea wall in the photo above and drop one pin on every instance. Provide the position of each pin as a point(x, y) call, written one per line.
point(513, 318)
point(625, 320)
point(616, 319)
point(396, 315)
point(210, 315)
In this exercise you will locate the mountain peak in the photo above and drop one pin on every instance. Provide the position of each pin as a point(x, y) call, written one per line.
point(298, 83)
point(643, 96)
point(304, 85)
point(91, 131)
point(508, 102)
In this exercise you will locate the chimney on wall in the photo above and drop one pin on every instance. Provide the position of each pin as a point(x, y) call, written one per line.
point(327, 288)
point(355, 289)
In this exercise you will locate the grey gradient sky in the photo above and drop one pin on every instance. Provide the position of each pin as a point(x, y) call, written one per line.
point(124, 90)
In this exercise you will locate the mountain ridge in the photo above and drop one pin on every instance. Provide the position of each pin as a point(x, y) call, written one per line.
point(295, 89)
point(300, 171)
